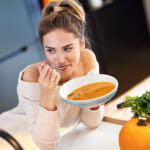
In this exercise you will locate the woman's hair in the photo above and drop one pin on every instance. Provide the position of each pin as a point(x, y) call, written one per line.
point(65, 14)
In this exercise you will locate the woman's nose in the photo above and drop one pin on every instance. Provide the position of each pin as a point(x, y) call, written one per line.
point(61, 58)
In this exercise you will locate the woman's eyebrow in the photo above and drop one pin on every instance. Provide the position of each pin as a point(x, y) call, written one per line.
point(49, 47)
point(68, 45)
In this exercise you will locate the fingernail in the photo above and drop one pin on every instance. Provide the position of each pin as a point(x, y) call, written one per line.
point(47, 67)
point(42, 65)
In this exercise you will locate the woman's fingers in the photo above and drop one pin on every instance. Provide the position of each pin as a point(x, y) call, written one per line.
point(41, 67)
point(57, 78)
point(48, 76)
point(44, 72)
point(54, 77)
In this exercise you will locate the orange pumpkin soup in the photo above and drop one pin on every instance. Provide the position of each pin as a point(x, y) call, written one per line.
point(91, 91)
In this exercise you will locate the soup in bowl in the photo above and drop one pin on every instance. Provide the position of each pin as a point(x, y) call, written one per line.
point(89, 90)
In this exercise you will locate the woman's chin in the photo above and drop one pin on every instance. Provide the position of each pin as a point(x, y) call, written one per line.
point(65, 73)
point(65, 77)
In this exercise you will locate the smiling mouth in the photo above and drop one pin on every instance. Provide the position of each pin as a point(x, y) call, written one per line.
point(63, 67)
point(60, 68)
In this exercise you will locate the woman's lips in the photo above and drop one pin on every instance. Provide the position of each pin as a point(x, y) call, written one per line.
point(62, 68)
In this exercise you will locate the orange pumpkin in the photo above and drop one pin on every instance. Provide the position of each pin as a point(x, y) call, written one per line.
point(134, 137)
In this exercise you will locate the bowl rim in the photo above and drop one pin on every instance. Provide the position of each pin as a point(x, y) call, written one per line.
point(87, 100)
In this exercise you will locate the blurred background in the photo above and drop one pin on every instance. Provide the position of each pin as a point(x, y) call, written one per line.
point(119, 31)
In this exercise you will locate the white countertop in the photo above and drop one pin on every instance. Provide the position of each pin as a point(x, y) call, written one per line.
point(105, 137)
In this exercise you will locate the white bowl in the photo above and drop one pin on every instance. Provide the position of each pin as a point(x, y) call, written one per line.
point(75, 83)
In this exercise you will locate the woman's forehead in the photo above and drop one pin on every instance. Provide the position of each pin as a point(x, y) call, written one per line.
point(59, 33)
point(59, 37)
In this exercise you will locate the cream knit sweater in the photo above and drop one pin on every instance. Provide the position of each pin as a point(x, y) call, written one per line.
point(46, 127)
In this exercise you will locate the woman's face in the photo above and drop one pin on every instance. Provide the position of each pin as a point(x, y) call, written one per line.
point(62, 50)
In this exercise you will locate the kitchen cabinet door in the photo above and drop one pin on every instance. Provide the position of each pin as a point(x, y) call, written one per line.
point(15, 26)
point(9, 71)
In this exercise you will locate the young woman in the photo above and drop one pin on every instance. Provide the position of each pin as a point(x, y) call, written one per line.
point(61, 32)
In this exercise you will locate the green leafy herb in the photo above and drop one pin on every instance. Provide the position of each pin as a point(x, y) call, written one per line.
point(71, 94)
point(140, 105)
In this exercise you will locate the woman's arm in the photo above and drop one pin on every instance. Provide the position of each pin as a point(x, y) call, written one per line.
point(48, 81)
point(43, 125)
point(92, 118)
point(42, 114)
point(45, 131)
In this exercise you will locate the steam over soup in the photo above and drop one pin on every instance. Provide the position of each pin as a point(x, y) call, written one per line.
point(91, 91)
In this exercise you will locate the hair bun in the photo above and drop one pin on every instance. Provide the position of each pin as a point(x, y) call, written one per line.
point(71, 6)
point(58, 9)
point(74, 8)
point(49, 10)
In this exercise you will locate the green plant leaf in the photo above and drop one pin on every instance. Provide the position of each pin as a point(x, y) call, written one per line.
point(140, 105)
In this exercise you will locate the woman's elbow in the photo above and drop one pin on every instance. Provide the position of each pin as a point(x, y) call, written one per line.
point(45, 144)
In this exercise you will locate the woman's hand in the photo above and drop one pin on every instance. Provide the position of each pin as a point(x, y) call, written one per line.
point(96, 107)
point(48, 81)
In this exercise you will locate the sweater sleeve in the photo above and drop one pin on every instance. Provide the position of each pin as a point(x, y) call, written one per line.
point(92, 118)
point(45, 129)
point(43, 125)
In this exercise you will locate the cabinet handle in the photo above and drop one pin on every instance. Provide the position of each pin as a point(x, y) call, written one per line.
point(23, 49)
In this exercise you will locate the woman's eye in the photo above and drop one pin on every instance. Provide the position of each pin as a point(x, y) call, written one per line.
point(68, 49)
point(51, 51)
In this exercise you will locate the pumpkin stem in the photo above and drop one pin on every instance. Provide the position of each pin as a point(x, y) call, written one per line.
point(142, 121)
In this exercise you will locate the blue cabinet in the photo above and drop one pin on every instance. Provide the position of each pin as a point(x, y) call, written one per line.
point(19, 45)
point(15, 28)
point(10, 69)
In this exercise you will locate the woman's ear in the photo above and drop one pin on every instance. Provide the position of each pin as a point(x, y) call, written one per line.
point(82, 43)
